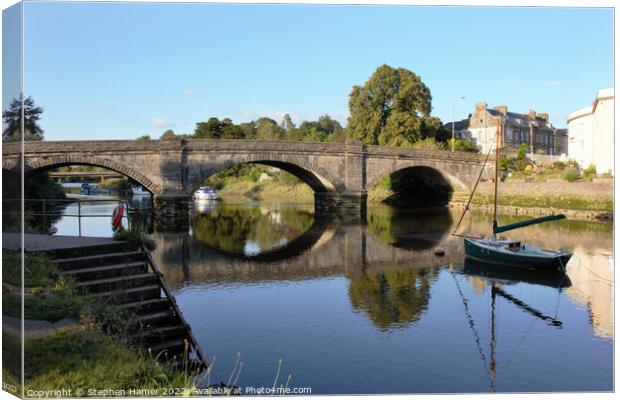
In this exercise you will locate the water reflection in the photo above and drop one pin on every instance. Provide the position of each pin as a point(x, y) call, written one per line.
point(592, 274)
point(249, 230)
point(393, 299)
point(376, 296)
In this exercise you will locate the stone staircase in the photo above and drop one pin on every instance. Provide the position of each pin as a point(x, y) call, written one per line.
point(128, 279)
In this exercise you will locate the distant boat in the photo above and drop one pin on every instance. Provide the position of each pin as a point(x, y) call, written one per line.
point(512, 253)
point(205, 193)
point(139, 191)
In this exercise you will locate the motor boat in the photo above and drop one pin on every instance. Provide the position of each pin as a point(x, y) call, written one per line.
point(205, 193)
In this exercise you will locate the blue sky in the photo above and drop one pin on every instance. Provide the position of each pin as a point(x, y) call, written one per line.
point(117, 71)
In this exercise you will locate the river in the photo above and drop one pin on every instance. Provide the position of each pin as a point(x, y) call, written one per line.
point(369, 308)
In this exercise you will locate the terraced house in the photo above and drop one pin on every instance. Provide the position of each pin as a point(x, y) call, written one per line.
point(533, 129)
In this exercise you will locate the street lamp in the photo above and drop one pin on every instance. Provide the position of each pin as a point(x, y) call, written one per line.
point(453, 108)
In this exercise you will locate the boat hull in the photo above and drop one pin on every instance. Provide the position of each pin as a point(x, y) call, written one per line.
point(477, 250)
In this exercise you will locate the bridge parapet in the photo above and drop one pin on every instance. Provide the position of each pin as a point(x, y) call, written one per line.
point(173, 167)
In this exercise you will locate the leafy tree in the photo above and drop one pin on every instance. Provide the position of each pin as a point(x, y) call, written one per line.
point(249, 129)
point(228, 130)
point(12, 120)
point(144, 137)
point(323, 130)
point(390, 109)
point(208, 130)
point(267, 128)
point(287, 123)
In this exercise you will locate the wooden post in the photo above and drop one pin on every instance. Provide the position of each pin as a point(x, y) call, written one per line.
point(79, 218)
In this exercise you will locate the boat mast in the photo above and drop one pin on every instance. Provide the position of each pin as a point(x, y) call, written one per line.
point(496, 176)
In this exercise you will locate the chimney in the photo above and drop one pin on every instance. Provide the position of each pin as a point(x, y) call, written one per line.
point(532, 114)
point(544, 116)
point(482, 106)
point(502, 109)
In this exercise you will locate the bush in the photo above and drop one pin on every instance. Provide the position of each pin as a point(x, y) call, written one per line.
point(559, 165)
point(463, 145)
point(570, 175)
point(136, 237)
point(428, 144)
point(589, 172)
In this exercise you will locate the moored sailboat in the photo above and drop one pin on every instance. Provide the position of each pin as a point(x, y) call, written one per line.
point(512, 253)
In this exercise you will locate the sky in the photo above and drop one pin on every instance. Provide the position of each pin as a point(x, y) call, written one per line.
point(121, 70)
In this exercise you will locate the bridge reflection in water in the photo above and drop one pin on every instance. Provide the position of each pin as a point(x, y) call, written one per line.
point(390, 261)
point(338, 301)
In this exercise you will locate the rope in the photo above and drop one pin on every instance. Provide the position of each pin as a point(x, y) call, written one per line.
point(605, 280)
point(471, 196)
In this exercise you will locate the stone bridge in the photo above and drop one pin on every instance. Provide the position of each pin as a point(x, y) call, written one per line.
point(172, 168)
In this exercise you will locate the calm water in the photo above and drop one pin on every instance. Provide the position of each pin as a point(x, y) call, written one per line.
point(370, 309)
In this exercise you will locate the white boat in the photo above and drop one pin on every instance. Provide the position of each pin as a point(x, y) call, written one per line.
point(139, 191)
point(205, 193)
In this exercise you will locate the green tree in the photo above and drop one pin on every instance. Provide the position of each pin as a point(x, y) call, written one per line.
point(208, 130)
point(287, 123)
point(144, 137)
point(390, 108)
point(228, 130)
point(267, 128)
point(12, 120)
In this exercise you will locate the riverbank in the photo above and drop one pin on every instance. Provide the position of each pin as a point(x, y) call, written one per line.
point(266, 190)
point(72, 342)
point(580, 200)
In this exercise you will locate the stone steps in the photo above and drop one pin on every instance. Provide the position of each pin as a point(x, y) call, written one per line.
point(118, 283)
point(111, 271)
point(67, 264)
point(119, 275)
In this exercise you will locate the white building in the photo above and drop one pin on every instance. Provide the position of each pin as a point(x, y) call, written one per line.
point(591, 133)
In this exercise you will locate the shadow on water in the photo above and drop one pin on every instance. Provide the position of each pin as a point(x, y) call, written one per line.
point(410, 229)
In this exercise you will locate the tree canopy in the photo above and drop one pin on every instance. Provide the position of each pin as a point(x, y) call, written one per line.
point(12, 121)
point(392, 108)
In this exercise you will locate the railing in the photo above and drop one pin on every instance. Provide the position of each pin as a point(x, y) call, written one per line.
point(169, 296)
point(48, 206)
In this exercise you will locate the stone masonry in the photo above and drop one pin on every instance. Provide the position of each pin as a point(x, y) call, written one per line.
point(173, 168)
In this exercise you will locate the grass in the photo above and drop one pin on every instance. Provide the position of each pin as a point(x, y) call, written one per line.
point(92, 355)
point(266, 190)
point(564, 203)
point(38, 270)
point(91, 359)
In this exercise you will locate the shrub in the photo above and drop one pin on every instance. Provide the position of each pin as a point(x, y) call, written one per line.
point(428, 144)
point(570, 175)
point(559, 165)
point(463, 145)
point(589, 172)
point(136, 237)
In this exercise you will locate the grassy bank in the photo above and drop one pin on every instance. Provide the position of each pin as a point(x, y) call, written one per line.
point(258, 182)
point(92, 352)
point(561, 203)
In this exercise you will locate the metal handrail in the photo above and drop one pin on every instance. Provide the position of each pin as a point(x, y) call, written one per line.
point(170, 297)
point(79, 215)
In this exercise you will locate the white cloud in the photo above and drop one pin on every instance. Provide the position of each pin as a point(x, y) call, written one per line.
point(189, 92)
point(161, 122)
point(512, 81)
point(552, 83)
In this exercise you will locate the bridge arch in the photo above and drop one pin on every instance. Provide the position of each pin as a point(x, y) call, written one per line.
point(432, 168)
point(39, 165)
point(313, 174)
point(419, 184)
